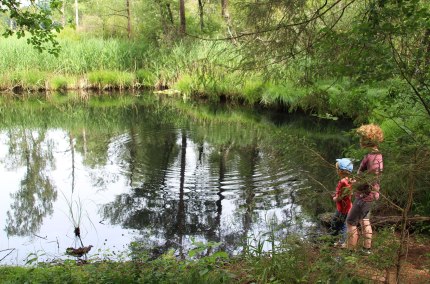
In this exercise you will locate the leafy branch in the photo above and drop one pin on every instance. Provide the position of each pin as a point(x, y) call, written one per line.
point(35, 19)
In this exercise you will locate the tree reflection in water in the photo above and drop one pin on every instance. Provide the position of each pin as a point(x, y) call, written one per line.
point(177, 178)
point(34, 199)
point(183, 180)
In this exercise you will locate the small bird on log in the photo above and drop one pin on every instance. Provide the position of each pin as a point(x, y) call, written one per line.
point(78, 252)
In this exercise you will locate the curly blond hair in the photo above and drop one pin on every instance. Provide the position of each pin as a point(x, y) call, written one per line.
point(371, 133)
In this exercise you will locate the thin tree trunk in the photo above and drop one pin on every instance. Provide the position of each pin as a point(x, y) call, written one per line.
point(169, 12)
point(401, 255)
point(63, 13)
point(224, 4)
point(182, 27)
point(226, 16)
point(127, 3)
point(163, 20)
point(426, 43)
point(202, 24)
point(76, 14)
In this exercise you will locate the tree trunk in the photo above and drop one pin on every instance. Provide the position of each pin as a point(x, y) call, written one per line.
point(401, 254)
point(202, 24)
point(63, 13)
point(127, 3)
point(226, 16)
point(169, 12)
point(426, 43)
point(163, 20)
point(182, 27)
point(224, 10)
point(76, 14)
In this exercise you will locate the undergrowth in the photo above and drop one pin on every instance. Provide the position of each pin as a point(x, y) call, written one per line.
point(292, 260)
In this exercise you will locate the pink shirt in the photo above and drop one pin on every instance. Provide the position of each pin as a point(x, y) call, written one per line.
point(372, 164)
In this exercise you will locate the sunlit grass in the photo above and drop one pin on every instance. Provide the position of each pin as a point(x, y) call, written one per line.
point(76, 56)
point(106, 79)
point(26, 79)
point(196, 69)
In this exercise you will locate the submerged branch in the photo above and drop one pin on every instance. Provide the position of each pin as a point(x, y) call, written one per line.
point(11, 250)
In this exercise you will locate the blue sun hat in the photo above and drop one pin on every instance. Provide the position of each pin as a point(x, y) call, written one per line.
point(345, 164)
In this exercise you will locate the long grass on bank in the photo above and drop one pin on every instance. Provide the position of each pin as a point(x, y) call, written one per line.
point(208, 69)
point(76, 57)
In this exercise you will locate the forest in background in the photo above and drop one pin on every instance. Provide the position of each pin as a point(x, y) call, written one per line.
point(365, 60)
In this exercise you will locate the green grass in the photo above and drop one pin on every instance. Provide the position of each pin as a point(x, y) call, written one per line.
point(104, 79)
point(26, 79)
point(76, 57)
point(292, 260)
point(146, 77)
point(195, 68)
point(186, 84)
point(63, 82)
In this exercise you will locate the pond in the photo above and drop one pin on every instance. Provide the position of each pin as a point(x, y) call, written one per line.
point(143, 171)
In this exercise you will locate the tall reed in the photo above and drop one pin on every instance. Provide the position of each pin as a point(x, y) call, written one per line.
point(76, 57)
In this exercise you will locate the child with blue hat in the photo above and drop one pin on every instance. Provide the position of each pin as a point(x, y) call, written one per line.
point(342, 197)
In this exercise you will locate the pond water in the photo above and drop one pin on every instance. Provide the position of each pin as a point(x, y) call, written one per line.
point(138, 171)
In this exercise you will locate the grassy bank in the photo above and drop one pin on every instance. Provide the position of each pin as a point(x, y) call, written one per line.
point(292, 261)
point(198, 69)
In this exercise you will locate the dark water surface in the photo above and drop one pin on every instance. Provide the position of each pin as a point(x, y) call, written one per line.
point(141, 172)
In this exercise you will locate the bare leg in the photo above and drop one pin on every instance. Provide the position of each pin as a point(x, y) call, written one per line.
point(367, 233)
point(352, 236)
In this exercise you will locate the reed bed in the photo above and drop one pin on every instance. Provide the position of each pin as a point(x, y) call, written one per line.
point(76, 56)
point(195, 69)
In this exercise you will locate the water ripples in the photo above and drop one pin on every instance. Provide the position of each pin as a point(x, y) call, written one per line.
point(211, 178)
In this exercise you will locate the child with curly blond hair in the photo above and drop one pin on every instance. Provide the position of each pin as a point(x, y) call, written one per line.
point(366, 187)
